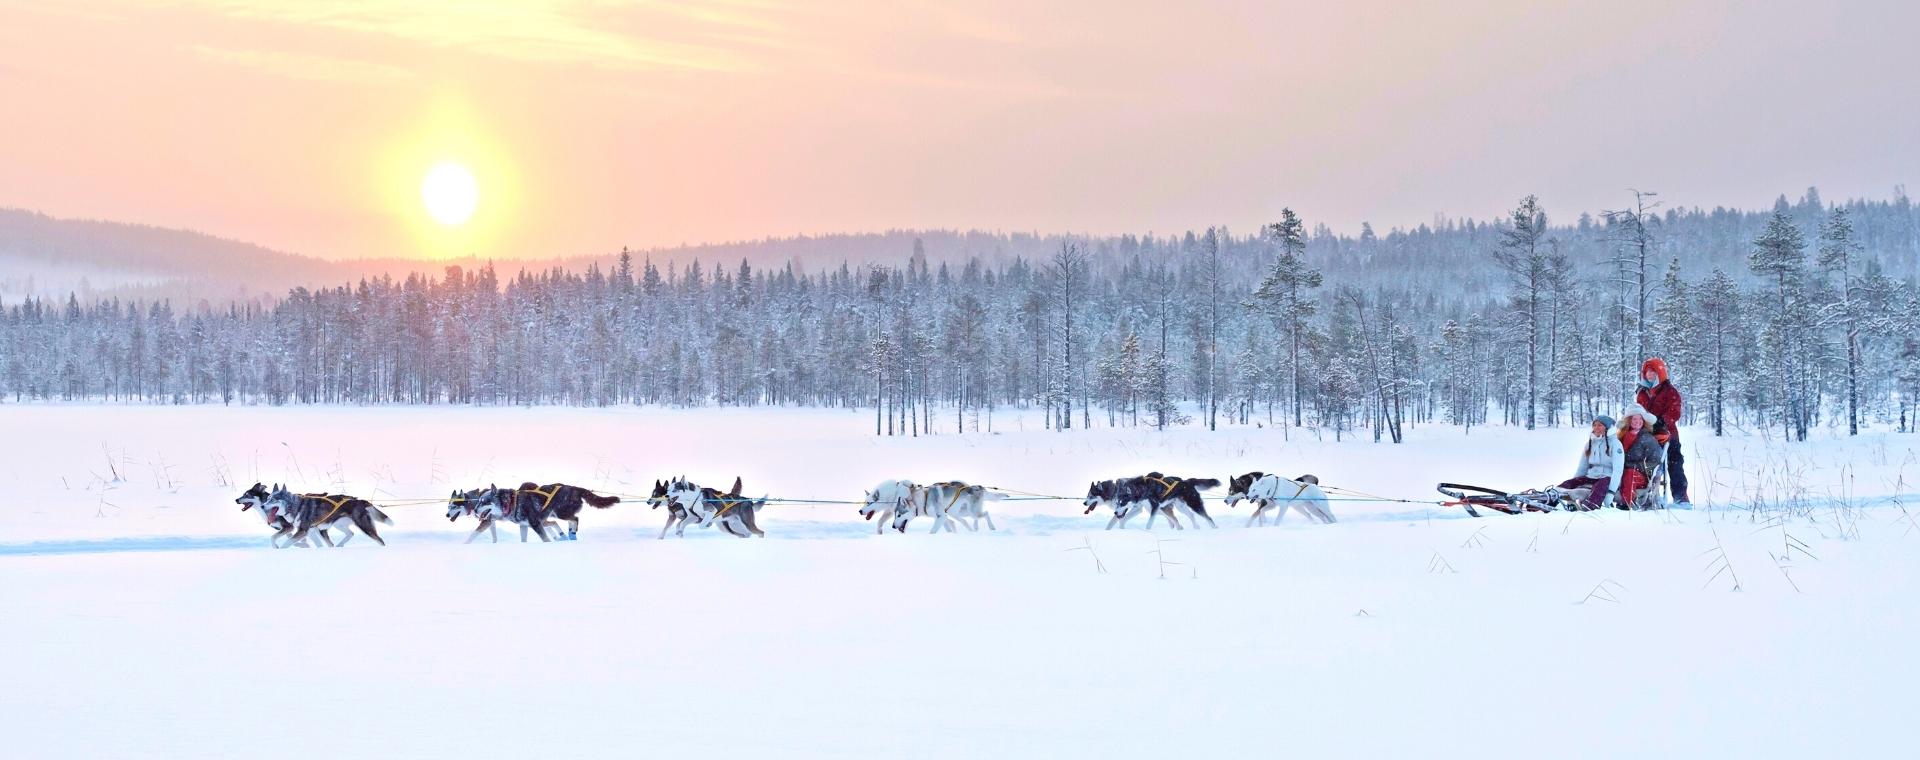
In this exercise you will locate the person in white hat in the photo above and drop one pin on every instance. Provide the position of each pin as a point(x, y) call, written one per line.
point(1643, 451)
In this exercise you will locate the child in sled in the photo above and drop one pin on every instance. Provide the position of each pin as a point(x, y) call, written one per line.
point(1600, 465)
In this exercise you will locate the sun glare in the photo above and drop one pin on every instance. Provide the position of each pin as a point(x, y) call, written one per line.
point(451, 194)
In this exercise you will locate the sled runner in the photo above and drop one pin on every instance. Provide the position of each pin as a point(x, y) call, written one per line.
point(1471, 498)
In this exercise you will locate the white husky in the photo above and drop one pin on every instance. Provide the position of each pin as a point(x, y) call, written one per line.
point(1269, 492)
point(890, 498)
point(952, 503)
point(954, 499)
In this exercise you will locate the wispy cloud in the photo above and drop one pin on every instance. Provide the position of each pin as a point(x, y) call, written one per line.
point(551, 31)
point(303, 66)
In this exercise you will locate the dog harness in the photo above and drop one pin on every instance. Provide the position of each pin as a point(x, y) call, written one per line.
point(958, 487)
point(336, 501)
point(727, 503)
point(549, 495)
point(1171, 484)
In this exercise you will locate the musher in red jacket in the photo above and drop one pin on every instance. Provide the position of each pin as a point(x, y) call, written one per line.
point(1659, 396)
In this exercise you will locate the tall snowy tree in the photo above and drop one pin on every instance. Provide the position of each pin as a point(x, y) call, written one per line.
point(1069, 268)
point(1779, 254)
point(1673, 322)
point(1522, 255)
point(1283, 295)
point(1837, 250)
point(1636, 247)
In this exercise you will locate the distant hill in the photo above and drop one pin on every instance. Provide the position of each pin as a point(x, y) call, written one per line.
point(49, 256)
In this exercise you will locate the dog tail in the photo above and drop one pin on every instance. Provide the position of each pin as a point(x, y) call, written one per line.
point(375, 512)
point(597, 500)
point(1202, 484)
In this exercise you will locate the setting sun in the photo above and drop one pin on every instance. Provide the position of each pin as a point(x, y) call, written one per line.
point(450, 193)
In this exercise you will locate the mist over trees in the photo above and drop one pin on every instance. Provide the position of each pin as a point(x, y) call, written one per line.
point(1800, 316)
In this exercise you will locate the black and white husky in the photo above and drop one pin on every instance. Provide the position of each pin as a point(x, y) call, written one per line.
point(1272, 492)
point(324, 512)
point(490, 513)
point(256, 498)
point(537, 506)
point(660, 498)
point(1154, 494)
point(688, 503)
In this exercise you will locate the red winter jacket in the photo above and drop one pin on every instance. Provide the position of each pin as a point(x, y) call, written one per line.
point(1662, 400)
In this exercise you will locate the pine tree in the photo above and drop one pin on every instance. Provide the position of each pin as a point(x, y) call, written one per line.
point(1069, 268)
point(1837, 248)
point(1673, 320)
point(1521, 255)
point(1283, 295)
point(1779, 254)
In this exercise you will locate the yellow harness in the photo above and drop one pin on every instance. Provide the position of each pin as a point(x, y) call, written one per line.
point(728, 503)
point(337, 503)
point(549, 495)
point(959, 489)
point(1174, 483)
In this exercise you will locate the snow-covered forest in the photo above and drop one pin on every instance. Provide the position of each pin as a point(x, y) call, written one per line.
point(1800, 316)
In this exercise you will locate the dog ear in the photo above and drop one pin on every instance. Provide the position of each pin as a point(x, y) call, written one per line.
point(736, 487)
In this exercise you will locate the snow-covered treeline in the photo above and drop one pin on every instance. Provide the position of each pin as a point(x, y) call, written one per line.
point(1801, 316)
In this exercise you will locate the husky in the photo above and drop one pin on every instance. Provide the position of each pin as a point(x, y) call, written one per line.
point(946, 501)
point(461, 503)
point(660, 498)
point(731, 512)
point(323, 511)
point(535, 507)
point(1122, 496)
point(889, 500)
point(257, 498)
point(539, 505)
point(1270, 492)
point(1166, 494)
point(1155, 494)
point(897, 502)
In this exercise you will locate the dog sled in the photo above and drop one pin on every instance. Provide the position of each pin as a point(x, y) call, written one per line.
point(1475, 498)
point(1653, 495)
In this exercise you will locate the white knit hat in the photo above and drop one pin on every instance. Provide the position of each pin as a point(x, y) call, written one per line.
point(1633, 409)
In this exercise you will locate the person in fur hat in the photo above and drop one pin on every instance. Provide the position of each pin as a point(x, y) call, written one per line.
point(1657, 395)
point(1642, 452)
point(1600, 464)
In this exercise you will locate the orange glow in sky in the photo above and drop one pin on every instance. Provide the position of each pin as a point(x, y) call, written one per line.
point(311, 126)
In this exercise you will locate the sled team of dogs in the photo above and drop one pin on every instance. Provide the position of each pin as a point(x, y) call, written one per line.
point(292, 516)
point(1159, 495)
point(897, 502)
point(541, 510)
point(690, 504)
point(531, 506)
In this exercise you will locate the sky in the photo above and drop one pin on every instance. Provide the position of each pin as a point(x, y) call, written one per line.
point(308, 126)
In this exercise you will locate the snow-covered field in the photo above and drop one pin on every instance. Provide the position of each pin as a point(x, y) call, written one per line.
point(148, 617)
